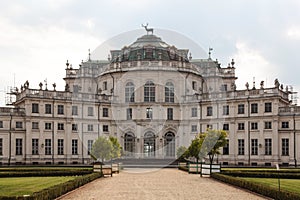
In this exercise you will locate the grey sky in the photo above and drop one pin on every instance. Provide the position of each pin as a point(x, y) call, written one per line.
point(38, 36)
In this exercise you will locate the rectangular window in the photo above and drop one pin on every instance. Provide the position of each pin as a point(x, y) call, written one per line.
point(241, 126)
point(194, 128)
point(60, 109)
point(105, 128)
point(241, 109)
point(105, 112)
point(74, 127)
point(48, 145)
point(104, 85)
point(268, 146)
point(74, 147)
point(19, 124)
point(209, 111)
point(241, 147)
point(254, 146)
point(254, 108)
point(129, 113)
point(60, 146)
point(35, 125)
point(48, 109)
point(35, 108)
point(226, 110)
point(74, 110)
point(90, 127)
point(48, 126)
point(90, 111)
point(226, 127)
point(268, 125)
point(254, 126)
point(170, 113)
point(19, 146)
point(284, 124)
point(60, 126)
point(35, 147)
point(224, 87)
point(194, 85)
point(1, 124)
point(1, 146)
point(194, 112)
point(285, 146)
point(268, 107)
point(89, 146)
point(149, 113)
point(226, 148)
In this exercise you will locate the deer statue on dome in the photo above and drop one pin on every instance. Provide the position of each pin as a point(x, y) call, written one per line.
point(148, 29)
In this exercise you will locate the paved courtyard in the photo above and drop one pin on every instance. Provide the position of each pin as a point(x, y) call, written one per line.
point(157, 184)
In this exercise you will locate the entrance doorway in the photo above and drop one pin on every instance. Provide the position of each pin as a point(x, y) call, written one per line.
point(129, 144)
point(169, 144)
point(149, 144)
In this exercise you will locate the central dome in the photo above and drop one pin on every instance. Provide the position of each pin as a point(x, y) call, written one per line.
point(149, 40)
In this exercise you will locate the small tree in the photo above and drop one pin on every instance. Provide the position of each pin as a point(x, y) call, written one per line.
point(102, 149)
point(181, 152)
point(194, 149)
point(116, 147)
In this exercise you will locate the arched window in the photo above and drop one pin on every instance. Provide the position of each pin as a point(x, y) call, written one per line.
point(129, 92)
point(169, 92)
point(169, 144)
point(129, 144)
point(149, 92)
point(149, 144)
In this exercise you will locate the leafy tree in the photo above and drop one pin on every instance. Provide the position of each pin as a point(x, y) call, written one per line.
point(195, 147)
point(181, 152)
point(116, 147)
point(102, 149)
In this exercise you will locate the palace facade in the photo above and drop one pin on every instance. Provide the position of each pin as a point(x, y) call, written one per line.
point(154, 98)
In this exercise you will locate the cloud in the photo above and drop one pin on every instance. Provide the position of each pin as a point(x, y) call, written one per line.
point(293, 33)
point(250, 63)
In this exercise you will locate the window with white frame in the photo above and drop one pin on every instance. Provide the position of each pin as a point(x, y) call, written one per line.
point(60, 146)
point(1, 146)
point(254, 108)
point(149, 113)
point(241, 109)
point(209, 111)
point(105, 112)
point(254, 125)
point(194, 112)
point(60, 126)
point(48, 126)
point(169, 92)
point(48, 147)
point(89, 146)
point(105, 128)
point(268, 107)
point(90, 111)
point(129, 113)
point(35, 146)
point(74, 127)
point(268, 125)
point(129, 92)
point(35, 125)
point(90, 127)
point(284, 124)
point(35, 108)
point(19, 124)
point(74, 147)
point(268, 146)
point(241, 126)
point(241, 147)
point(149, 92)
point(170, 114)
point(48, 109)
point(60, 109)
point(226, 110)
point(74, 110)
point(19, 146)
point(285, 146)
point(194, 128)
point(254, 146)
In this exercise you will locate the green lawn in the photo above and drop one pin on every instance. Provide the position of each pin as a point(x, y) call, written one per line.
point(28, 185)
point(291, 185)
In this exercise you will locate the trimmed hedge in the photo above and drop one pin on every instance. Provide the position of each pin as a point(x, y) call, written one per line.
point(257, 188)
point(43, 173)
point(183, 168)
point(57, 190)
point(263, 174)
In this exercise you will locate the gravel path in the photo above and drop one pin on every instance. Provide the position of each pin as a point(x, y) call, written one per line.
point(142, 184)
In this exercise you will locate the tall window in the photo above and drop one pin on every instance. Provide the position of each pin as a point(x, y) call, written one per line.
point(268, 125)
point(194, 112)
point(90, 127)
point(129, 144)
point(226, 127)
point(60, 146)
point(105, 85)
point(60, 109)
point(1, 124)
point(129, 113)
point(35, 147)
point(241, 146)
point(1, 146)
point(254, 146)
point(74, 147)
point(268, 146)
point(169, 92)
point(74, 127)
point(149, 92)
point(149, 113)
point(129, 92)
point(19, 146)
point(194, 85)
point(226, 148)
point(226, 110)
point(194, 128)
point(105, 128)
point(268, 107)
point(74, 110)
point(90, 111)
point(47, 126)
point(105, 112)
point(48, 109)
point(89, 146)
point(35, 125)
point(254, 126)
point(284, 124)
point(35, 108)
point(285, 146)
point(241, 126)
point(170, 113)
point(254, 108)
point(209, 111)
point(60, 126)
point(48, 145)
point(19, 124)
point(241, 109)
